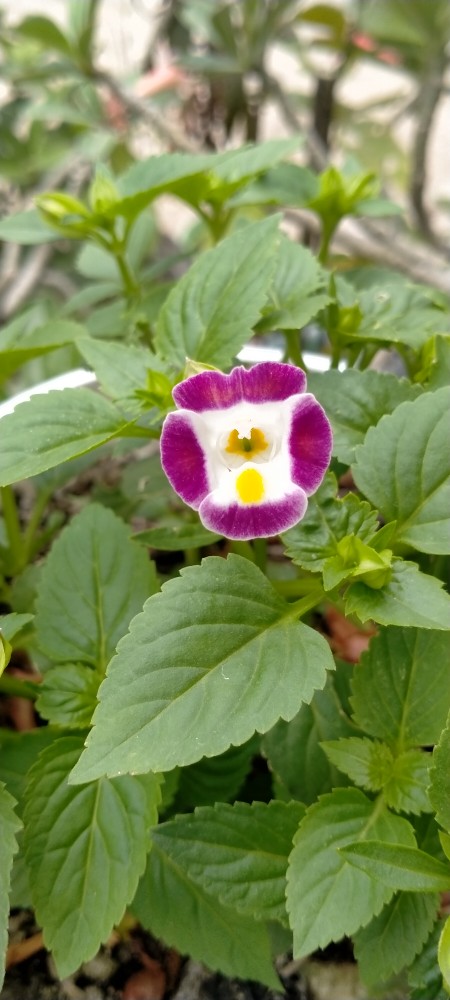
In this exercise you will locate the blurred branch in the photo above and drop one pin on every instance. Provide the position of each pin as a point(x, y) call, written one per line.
point(138, 109)
point(25, 281)
point(421, 264)
point(427, 100)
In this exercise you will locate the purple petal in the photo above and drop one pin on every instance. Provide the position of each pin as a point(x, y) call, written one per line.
point(267, 382)
point(254, 520)
point(310, 444)
point(183, 459)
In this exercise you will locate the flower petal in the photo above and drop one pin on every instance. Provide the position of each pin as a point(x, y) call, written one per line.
point(183, 459)
point(310, 443)
point(267, 382)
point(262, 520)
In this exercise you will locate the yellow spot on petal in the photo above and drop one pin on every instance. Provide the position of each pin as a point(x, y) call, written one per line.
point(244, 445)
point(250, 486)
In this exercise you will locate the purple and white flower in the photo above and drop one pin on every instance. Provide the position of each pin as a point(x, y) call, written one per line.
point(246, 449)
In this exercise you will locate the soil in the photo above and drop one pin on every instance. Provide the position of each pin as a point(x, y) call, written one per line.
point(136, 967)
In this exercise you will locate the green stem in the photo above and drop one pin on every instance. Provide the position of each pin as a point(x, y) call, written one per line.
point(12, 525)
point(129, 285)
point(243, 549)
point(305, 604)
point(294, 350)
point(33, 523)
point(298, 587)
point(260, 550)
point(13, 687)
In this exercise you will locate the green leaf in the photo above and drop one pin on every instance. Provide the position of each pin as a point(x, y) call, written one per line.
point(392, 939)
point(177, 910)
point(10, 824)
point(424, 973)
point(403, 468)
point(411, 598)
point(210, 313)
point(18, 344)
point(287, 184)
point(354, 401)
point(444, 953)
point(54, 428)
point(27, 228)
point(398, 867)
point(238, 853)
point(215, 779)
point(398, 313)
point(234, 169)
point(94, 582)
point(440, 778)
point(327, 897)
point(297, 292)
point(327, 520)
point(86, 849)
point(171, 173)
point(173, 537)
point(214, 657)
point(18, 753)
point(42, 29)
point(120, 368)
point(68, 695)
point(396, 697)
point(11, 625)
point(293, 748)
point(404, 778)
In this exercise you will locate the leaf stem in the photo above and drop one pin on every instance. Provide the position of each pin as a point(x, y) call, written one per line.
point(294, 350)
point(13, 531)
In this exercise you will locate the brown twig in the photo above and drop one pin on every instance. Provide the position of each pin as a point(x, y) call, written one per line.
point(21, 950)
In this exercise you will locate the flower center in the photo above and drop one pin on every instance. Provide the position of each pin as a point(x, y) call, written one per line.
point(250, 486)
point(240, 445)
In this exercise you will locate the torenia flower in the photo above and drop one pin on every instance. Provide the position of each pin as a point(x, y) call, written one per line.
point(246, 449)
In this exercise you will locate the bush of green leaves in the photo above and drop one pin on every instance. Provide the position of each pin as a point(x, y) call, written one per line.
point(148, 801)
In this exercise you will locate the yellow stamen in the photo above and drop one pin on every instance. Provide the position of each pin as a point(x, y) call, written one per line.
point(244, 445)
point(250, 486)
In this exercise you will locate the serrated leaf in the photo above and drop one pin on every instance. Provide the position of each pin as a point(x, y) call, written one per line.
point(393, 938)
point(214, 779)
point(210, 313)
point(238, 853)
point(18, 344)
point(403, 468)
point(444, 953)
point(398, 313)
point(293, 749)
point(297, 292)
point(327, 520)
point(177, 910)
point(396, 697)
point(372, 765)
point(10, 824)
point(366, 762)
point(86, 849)
point(398, 867)
point(424, 974)
point(410, 598)
point(93, 583)
point(173, 537)
point(54, 428)
point(354, 401)
point(18, 753)
point(12, 625)
point(326, 897)
point(120, 368)
point(68, 695)
point(440, 778)
point(215, 657)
